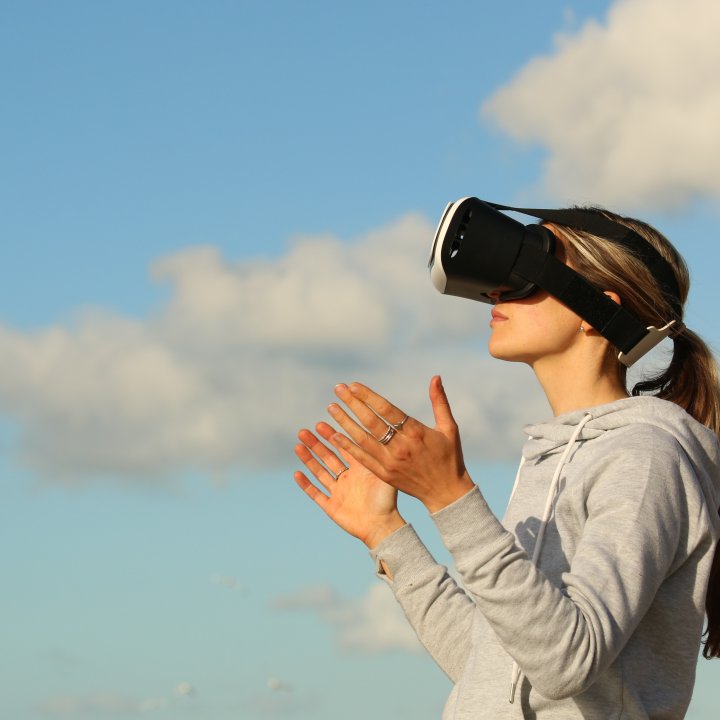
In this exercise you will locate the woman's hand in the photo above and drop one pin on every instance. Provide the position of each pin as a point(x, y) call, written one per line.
point(424, 462)
point(357, 500)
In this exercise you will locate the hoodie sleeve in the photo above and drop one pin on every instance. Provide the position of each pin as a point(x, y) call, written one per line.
point(439, 611)
point(636, 528)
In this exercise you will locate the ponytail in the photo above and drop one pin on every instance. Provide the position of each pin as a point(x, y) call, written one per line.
point(690, 381)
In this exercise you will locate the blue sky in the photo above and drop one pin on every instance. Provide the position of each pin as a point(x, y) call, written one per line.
point(212, 213)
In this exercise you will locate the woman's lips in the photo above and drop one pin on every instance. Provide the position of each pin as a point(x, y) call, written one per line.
point(496, 317)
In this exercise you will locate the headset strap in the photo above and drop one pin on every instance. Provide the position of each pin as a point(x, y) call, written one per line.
point(598, 224)
point(612, 321)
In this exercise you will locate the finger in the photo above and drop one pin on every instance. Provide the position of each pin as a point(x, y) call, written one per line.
point(390, 414)
point(370, 417)
point(441, 406)
point(357, 433)
point(311, 491)
point(318, 470)
point(322, 452)
point(326, 432)
point(359, 454)
point(321, 474)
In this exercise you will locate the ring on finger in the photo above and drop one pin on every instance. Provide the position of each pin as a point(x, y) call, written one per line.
point(388, 436)
point(339, 473)
point(398, 426)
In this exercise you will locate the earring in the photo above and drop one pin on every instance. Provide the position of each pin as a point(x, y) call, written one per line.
point(582, 328)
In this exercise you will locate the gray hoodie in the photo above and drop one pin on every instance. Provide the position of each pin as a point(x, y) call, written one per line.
point(589, 597)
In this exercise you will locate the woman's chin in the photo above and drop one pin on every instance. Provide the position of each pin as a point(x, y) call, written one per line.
point(500, 352)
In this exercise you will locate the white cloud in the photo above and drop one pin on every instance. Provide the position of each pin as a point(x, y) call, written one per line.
point(98, 704)
point(375, 623)
point(312, 597)
point(628, 110)
point(242, 354)
point(277, 685)
point(185, 689)
point(371, 624)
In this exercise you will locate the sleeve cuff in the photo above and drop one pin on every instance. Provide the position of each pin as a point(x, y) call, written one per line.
point(403, 553)
point(468, 524)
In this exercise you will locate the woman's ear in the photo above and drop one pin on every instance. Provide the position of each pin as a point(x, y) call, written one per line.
point(614, 297)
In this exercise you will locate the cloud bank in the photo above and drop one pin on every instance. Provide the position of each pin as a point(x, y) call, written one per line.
point(627, 110)
point(242, 354)
point(371, 624)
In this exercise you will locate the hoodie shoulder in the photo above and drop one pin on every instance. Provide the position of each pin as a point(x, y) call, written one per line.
point(636, 425)
point(667, 437)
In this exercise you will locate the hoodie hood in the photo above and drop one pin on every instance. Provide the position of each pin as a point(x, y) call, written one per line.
point(699, 443)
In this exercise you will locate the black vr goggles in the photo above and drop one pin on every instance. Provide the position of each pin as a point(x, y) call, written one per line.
point(479, 250)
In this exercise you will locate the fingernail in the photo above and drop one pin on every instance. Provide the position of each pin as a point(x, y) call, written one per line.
point(333, 409)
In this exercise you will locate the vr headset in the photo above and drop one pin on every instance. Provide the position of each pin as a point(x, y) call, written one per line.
point(478, 250)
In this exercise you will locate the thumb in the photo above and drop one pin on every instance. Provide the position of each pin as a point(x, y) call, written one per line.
point(441, 405)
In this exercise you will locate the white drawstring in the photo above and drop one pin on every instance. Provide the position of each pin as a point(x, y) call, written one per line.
point(517, 479)
point(549, 503)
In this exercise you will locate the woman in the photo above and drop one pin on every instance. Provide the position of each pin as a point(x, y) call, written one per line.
point(588, 600)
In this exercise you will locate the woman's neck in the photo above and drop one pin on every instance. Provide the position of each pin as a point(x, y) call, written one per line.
point(572, 383)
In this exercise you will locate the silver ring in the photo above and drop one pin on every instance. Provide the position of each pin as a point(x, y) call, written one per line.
point(388, 436)
point(337, 475)
point(399, 425)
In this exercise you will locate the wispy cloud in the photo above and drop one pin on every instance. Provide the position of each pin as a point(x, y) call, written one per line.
point(278, 685)
point(98, 704)
point(228, 581)
point(628, 110)
point(185, 689)
point(244, 353)
point(370, 624)
point(109, 703)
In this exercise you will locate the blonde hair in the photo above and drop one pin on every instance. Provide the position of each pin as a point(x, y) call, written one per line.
point(691, 378)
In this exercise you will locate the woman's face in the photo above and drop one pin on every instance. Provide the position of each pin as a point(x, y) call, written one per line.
point(536, 327)
point(533, 328)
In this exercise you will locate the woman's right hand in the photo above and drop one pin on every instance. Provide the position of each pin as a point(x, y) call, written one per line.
point(357, 500)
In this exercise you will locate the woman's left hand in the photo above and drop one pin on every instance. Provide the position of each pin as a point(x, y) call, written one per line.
point(424, 462)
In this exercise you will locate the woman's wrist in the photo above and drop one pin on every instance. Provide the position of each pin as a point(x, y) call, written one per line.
point(443, 496)
point(384, 529)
